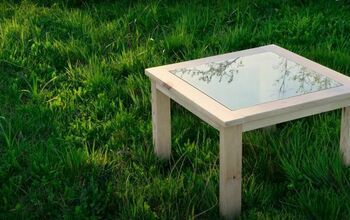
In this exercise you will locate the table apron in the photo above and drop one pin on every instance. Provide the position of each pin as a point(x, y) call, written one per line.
point(196, 110)
point(288, 116)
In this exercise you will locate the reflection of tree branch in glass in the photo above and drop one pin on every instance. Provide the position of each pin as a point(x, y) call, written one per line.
point(249, 80)
point(226, 69)
point(307, 80)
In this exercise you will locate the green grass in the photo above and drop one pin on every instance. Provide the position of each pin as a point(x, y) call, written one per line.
point(75, 114)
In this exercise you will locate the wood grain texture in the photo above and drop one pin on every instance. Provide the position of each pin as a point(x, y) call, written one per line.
point(230, 171)
point(161, 122)
point(345, 135)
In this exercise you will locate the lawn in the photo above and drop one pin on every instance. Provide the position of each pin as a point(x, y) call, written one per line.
point(75, 113)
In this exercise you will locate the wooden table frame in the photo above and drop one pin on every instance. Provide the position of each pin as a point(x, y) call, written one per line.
point(232, 124)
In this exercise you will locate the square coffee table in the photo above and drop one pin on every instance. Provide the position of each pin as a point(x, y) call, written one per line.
point(242, 91)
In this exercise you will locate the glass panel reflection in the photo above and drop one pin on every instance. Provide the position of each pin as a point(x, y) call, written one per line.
point(251, 80)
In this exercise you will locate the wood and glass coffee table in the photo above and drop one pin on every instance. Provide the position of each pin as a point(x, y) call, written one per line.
point(242, 91)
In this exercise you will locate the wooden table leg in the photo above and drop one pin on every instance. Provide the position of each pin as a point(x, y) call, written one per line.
point(345, 135)
point(161, 123)
point(230, 171)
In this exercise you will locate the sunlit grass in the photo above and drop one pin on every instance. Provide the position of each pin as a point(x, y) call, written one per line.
point(75, 113)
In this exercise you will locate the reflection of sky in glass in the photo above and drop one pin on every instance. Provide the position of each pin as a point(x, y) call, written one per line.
point(251, 80)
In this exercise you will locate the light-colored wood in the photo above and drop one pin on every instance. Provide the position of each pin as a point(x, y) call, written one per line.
point(308, 63)
point(192, 107)
point(231, 124)
point(197, 102)
point(218, 115)
point(205, 60)
point(230, 171)
point(292, 115)
point(161, 123)
point(316, 100)
point(345, 136)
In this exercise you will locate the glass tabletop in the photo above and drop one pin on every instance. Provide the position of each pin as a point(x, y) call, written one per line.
point(251, 80)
